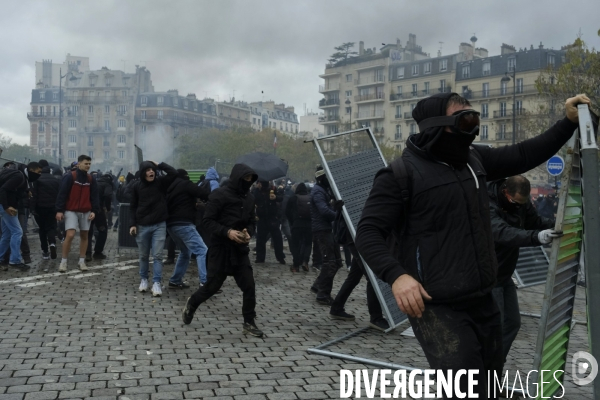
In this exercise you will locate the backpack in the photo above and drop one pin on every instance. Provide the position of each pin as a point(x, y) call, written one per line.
point(303, 206)
point(205, 190)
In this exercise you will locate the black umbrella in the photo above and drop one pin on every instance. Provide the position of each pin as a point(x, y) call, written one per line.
point(267, 166)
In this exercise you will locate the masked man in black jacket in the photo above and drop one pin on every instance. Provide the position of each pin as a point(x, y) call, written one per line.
point(515, 223)
point(447, 267)
point(230, 217)
point(42, 203)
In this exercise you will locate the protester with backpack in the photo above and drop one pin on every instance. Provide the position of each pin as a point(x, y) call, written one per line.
point(297, 212)
point(77, 203)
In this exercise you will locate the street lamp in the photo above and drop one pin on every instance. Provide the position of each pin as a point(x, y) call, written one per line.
point(60, 111)
point(507, 78)
point(348, 102)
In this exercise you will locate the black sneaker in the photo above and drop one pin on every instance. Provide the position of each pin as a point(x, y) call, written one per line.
point(169, 261)
point(53, 252)
point(181, 285)
point(251, 329)
point(188, 312)
point(99, 256)
point(314, 290)
point(317, 267)
point(45, 255)
point(380, 324)
point(258, 262)
point(294, 269)
point(326, 301)
point(21, 266)
point(26, 259)
point(281, 261)
point(343, 315)
point(88, 256)
point(305, 267)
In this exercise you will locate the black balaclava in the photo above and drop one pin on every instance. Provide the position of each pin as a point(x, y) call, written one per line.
point(32, 176)
point(449, 147)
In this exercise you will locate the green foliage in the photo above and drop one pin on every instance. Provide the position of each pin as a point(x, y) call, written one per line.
point(17, 152)
point(202, 149)
point(343, 53)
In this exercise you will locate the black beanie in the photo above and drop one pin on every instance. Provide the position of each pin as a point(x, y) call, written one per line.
point(43, 163)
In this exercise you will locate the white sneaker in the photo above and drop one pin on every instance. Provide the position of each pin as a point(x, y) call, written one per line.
point(156, 289)
point(143, 285)
point(63, 266)
point(82, 266)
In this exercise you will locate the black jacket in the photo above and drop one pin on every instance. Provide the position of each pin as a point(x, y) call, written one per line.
point(445, 238)
point(105, 191)
point(13, 183)
point(181, 200)
point(321, 210)
point(512, 229)
point(267, 209)
point(148, 199)
point(291, 210)
point(45, 190)
point(230, 207)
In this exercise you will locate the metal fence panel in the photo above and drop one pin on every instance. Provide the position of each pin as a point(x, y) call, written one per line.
point(532, 267)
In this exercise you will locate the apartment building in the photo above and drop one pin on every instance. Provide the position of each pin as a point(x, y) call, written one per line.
point(310, 127)
point(233, 113)
point(267, 114)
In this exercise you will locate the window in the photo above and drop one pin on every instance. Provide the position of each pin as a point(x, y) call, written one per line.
point(426, 89)
point(485, 111)
point(72, 139)
point(143, 114)
point(398, 112)
point(123, 93)
point(442, 85)
point(398, 134)
point(144, 101)
point(72, 154)
point(485, 90)
point(519, 85)
point(90, 141)
point(175, 101)
point(143, 128)
point(348, 94)
point(121, 154)
point(349, 78)
point(400, 72)
point(487, 68)
point(466, 71)
point(443, 65)
point(427, 68)
point(91, 109)
point(72, 123)
point(106, 125)
point(121, 123)
point(503, 109)
point(41, 128)
point(160, 114)
point(519, 107)
point(106, 109)
point(90, 123)
point(106, 142)
point(159, 100)
point(176, 116)
point(502, 133)
point(185, 104)
point(106, 155)
point(55, 96)
point(484, 132)
point(121, 139)
point(122, 109)
point(503, 87)
point(41, 111)
point(42, 141)
point(512, 64)
point(413, 128)
point(42, 96)
point(415, 69)
point(414, 89)
point(399, 90)
point(551, 59)
point(91, 154)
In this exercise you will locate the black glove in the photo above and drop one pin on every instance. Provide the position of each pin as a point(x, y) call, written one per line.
point(338, 204)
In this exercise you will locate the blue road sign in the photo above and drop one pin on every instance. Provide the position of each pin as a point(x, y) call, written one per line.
point(555, 165)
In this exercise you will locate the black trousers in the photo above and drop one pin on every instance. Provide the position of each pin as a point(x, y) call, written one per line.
point(24, 242)
point(99, 231)
point(347, 255)
point(171, 246)
point(301, 245)
point(463, 336)
point(46, 220)
point(317, 259)
point(332, 262)
point(263, 229)
point(244, 278)
point(356, 273)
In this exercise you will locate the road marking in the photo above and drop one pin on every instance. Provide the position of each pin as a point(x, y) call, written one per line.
point(84, 275)
point(32, 284)
point(126, 267)
point(54, 274)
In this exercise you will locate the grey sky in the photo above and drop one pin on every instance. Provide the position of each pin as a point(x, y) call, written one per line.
point(217, 47)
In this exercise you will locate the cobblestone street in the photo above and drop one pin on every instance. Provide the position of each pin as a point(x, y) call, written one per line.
point(93, 335)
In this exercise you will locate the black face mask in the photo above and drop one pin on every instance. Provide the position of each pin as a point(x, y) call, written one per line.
point(32, 176)
point(245, 185)
point(323, 182)
point(453, 148)
point(507, 205)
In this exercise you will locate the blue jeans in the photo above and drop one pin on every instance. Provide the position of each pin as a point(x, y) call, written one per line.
point(189, 242)
point(151, 236)
point(11, 236)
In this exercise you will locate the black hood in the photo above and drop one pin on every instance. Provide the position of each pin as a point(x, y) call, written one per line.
point(105, 178)
point(46, 170)
point(434, 106)
point(144, 165)
point(237, 174)
point(301, 188)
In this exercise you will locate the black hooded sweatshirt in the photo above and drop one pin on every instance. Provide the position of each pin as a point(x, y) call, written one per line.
point(444, 233)
point(291, 210)
point(148, 199)
point(181, 200)
point(512, 229)
point(45, 190)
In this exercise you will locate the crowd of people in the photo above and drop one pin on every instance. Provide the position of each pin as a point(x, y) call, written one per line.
point(442, 225)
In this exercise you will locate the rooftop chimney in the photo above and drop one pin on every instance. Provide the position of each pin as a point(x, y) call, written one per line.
point(507, 49)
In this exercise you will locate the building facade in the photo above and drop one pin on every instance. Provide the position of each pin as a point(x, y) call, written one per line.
point(310, 127)
point(267, 114)
point(233, 113)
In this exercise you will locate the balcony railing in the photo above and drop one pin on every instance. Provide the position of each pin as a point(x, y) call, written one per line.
point(418, 94)
point(369, 114)
point(329, 118)
point(41, 115)
point(329, 87)
point(369, 80)
point(499, 92)
point(508, 113)
point(329, 102)
point(408, 115)
point(372, 96)
point(398, 116)
point(98, 99)
point(503, 135)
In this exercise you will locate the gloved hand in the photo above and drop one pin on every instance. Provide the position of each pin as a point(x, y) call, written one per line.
point(338, 204)
point(547, 235)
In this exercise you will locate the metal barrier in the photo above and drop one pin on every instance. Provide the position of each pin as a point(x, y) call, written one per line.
point(532, 267)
